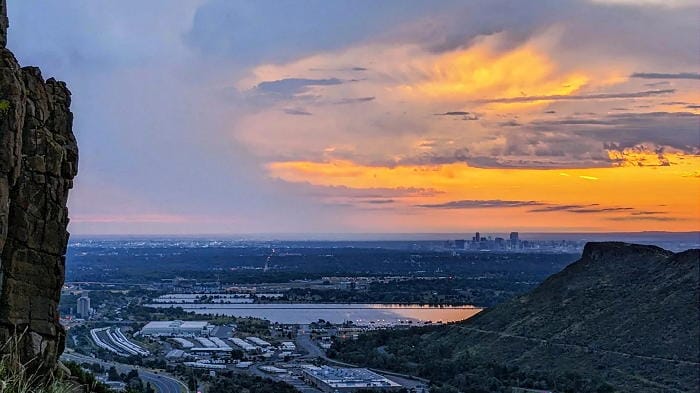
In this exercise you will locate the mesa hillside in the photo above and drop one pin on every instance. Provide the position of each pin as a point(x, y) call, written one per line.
point(38, 160)
point(624, 314)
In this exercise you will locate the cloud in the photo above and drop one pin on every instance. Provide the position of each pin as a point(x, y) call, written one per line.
point(509, 123)
point(617, 131)
point(645, 218)
point(433, 158)
point(292, 86)
point(571, 97)
point(257, 32)
point(379, 201)
point(556, 208)
point(577, 142)
point(480, 204)
point(546, 207)
point(647, 213)
point(678, 130)
point(356, 100)
point(297, 112)
point(353, 69)
point(653, 3)
point(661, 75)
point(503, 157)
point(135, 80)
point(456, 113)
point(377, 193)
point(582, 209)
point(593, 208)
point(462, 114)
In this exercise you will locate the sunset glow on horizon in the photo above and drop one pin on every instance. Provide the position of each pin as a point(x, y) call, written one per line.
point(238, 117)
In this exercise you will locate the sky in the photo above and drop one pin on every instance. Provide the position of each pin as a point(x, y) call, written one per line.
point(359, 116)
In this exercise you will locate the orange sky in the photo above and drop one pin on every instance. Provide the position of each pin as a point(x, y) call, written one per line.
point(265, 117)
point(624, 198)
point(547, 165)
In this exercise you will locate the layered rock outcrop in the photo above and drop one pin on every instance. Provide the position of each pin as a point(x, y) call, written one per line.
point(38, 161)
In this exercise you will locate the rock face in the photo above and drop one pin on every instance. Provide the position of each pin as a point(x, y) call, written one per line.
point(38, 160)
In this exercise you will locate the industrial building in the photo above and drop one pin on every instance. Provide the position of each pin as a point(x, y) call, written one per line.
point(288, 346)
point(244, 345)
point(84, 308)
point(259, 342)
point(347, 380)
point(177, 328)
point(183, 343)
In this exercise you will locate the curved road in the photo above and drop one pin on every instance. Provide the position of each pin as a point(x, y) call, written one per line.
point(161, 383)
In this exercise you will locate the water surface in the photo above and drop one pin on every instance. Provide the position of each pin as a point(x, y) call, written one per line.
point(363, 314)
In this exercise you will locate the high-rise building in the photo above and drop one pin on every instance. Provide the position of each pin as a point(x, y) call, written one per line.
point(514, 239)
point(477, 237)
point(84, 306)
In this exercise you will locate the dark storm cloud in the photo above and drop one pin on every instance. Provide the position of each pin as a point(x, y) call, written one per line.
point(675, 129)
point(231, 28)
point(661, 75)
point(292, 86)
point(579, 141)
point(616, 131)
point(254, 32)
point(481, 204)
point(562, 97)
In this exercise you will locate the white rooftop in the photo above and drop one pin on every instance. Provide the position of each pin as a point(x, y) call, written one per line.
point(176, 325)
point(350, 377)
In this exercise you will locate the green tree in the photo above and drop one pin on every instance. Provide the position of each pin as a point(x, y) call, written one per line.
point(113, 374)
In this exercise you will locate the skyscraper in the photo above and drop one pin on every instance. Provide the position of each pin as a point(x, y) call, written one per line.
point(84, 306)
point(514, 239)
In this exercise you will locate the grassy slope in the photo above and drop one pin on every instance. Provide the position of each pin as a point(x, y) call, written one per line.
point(616, 314)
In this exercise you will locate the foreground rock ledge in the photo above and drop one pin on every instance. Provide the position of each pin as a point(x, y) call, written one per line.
point(38, 160)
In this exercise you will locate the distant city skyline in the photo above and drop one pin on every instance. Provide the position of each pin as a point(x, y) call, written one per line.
point(355, 117)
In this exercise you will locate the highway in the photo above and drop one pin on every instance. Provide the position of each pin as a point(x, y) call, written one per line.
point(161, 383)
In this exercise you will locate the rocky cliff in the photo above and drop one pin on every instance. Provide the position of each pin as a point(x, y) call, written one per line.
point(38, 160)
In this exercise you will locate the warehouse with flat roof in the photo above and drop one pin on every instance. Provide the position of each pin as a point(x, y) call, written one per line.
point(347, 380)
point(177, 328)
